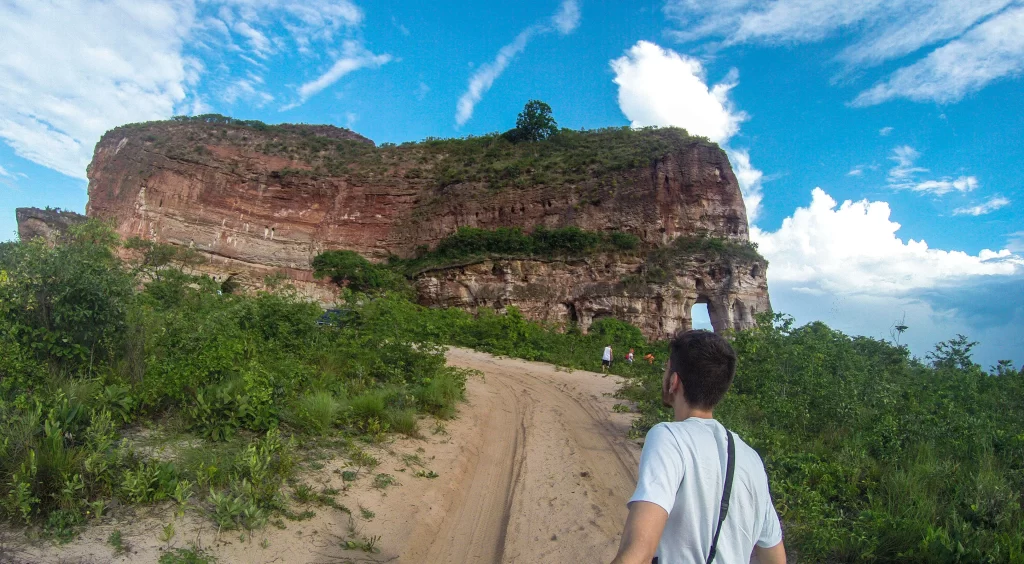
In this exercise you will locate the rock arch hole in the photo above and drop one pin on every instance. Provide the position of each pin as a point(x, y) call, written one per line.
point(700, 316)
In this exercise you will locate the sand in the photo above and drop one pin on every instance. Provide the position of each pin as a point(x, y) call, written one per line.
point(536, 468)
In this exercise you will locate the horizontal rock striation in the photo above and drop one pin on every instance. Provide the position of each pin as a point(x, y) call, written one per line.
point(263, 199)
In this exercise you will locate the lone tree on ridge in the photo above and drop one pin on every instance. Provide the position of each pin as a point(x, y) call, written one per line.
point(534, 123)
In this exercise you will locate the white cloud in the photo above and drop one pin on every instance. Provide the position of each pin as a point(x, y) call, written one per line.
point(885, 131)
point(245, 89)
point(977, 40)
point(749, 179)
point(1015, 242)
point(260, 44)
point(990, 51)
point(853, 249)
point(856, 171)
point(904, 176)
point(660, 87)
point(59, 91)
point(306, 22)
point(565, 20)
point(128, 61)
point(422, 90)
point(354, 57)
point(485, 76)
point(945, 186)
point(5, 174)
point(990, 206)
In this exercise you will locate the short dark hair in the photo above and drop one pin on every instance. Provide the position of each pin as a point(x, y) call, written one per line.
point(706, 365)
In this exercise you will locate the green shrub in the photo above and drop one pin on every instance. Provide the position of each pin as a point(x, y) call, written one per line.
point(350, 269)
point(442, 393)
point(369, 409)
point(317, 412)
point(403, 421)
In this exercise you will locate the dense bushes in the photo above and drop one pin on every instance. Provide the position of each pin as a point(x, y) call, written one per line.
point(85, 356)
point(350, 269)
point(873, 455)
point(470, 243)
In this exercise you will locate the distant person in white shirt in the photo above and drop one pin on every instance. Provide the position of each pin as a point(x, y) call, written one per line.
point(606, 358)
point(674, 512)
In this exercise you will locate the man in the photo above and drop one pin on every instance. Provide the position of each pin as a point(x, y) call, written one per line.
point(674, 513)
point(606, 358)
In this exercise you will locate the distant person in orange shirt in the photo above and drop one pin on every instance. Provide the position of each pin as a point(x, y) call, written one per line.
point(649, 358)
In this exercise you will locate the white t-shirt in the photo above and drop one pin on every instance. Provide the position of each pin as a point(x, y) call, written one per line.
point(682, 469)
point(607, 354)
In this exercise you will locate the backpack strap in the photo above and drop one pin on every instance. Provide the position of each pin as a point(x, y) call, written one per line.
point(730, 470)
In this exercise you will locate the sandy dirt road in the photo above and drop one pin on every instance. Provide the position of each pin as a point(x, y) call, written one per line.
point(536, 468)
point(547, 472)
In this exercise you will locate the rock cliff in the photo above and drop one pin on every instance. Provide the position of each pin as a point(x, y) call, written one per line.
point(46, 223)
point(261, 199)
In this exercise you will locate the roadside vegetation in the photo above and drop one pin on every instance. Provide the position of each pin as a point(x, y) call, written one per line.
point(872, 454)
point(98, 357)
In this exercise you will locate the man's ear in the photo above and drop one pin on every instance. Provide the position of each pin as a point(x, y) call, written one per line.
point(674, 383)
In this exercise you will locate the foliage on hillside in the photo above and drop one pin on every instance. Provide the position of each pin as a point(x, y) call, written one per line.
point(470, 244)
point(85, 358)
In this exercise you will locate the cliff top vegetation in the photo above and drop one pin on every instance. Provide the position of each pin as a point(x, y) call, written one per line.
point(494, 160)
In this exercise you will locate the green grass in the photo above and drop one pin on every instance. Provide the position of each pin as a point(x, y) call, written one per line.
point(317, 412)
point(403, 421)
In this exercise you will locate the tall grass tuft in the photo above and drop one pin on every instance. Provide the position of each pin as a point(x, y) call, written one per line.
point(317, 412)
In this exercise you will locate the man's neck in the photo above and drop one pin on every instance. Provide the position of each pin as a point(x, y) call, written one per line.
point(683, 411)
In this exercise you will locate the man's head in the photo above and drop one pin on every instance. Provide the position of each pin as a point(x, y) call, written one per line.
point(701, 367)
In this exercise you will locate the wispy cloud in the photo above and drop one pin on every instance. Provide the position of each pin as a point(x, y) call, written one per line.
point(990, 206)
point(973, 43)
point(1015, 242)
point(565, 21)
point(905, 175)
point(945, 186)
point(485, 76)
point(5, 174)
point(990, 51)
point(885, 131)
point(354, 57)
point(246, 89)
point(567, 18)
point(856, 171)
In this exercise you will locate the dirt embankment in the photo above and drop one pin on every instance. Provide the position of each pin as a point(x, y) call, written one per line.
point(536, 468)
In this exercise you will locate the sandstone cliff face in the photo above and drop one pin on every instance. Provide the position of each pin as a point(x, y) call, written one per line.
point(269, 199)
point(48, 223)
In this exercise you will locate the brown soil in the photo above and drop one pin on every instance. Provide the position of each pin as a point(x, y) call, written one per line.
point(536, 468)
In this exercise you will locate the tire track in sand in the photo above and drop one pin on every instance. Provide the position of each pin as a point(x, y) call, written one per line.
point(547, 468)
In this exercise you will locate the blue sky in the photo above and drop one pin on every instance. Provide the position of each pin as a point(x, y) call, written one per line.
point(877, 142)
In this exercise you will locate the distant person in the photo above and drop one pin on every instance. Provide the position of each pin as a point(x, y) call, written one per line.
point(649, 358)
point(702, 493)
point(606, 358)
point(629, 356)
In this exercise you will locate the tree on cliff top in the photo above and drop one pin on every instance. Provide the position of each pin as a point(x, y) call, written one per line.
point(534, 123)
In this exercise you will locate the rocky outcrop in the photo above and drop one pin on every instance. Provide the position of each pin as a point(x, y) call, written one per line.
point(263, 199)
point(586, 290)
point(47, 223)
